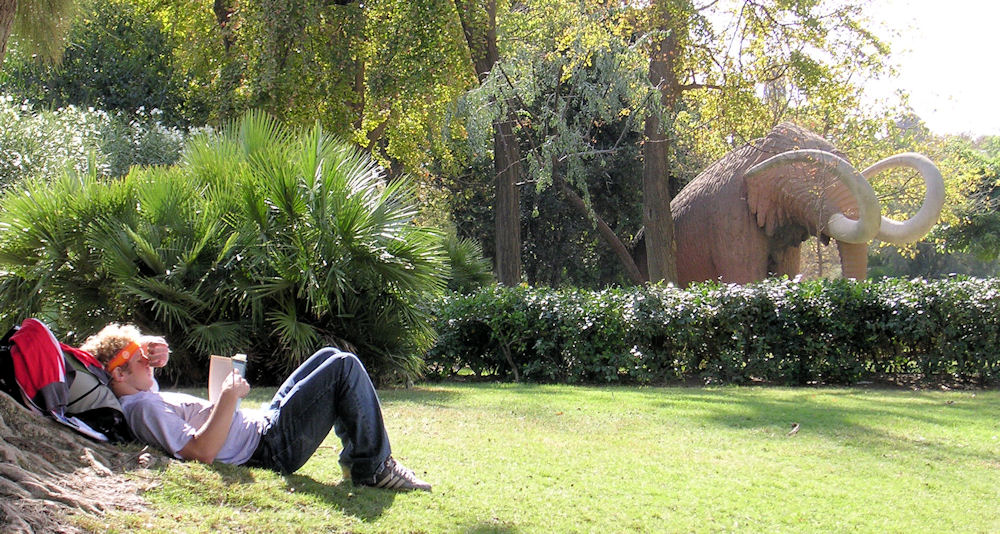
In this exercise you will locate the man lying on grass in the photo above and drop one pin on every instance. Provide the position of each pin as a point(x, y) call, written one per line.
point(329, 390)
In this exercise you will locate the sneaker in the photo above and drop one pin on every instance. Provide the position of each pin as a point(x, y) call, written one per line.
point(393, 475)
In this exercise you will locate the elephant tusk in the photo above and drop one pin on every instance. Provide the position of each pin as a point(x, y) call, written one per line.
point(916, 227)
point(838, 226)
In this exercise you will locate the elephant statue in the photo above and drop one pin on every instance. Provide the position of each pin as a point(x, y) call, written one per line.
point(744, 217)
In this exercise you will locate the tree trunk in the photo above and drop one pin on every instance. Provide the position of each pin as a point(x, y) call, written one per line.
point(656, 216)
point(479, 27)
point(48, 472)
point(507, 169)
point(8, 8)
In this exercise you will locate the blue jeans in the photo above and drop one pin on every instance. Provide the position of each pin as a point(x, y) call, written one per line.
point(329, 390)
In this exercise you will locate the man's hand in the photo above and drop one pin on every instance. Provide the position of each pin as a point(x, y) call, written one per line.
point(157, 350)
point(209, 439)
point(234, 384)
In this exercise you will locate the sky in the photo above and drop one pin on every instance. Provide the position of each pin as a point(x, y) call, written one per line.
point(947, 58)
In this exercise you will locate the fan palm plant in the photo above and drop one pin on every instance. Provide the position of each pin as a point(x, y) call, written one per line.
point(47, 267)
point(174, 266)
point(80, 251)
point(333, 254)
point(261, 240)
point(469, 270)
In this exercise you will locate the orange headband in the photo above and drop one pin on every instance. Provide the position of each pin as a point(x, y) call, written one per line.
point(124, 356)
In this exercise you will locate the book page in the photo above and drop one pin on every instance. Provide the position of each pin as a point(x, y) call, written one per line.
point(218, 369)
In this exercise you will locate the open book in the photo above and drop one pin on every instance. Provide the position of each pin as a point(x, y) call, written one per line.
point(219, 368)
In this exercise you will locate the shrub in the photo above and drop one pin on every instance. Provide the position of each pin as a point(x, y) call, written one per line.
point(263, 241)
point(826, 331)
point(469, 270)
point(45, 144)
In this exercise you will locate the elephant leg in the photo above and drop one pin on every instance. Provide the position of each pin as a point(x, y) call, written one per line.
point(743, 262)
point(785, 262)
point(853, 259)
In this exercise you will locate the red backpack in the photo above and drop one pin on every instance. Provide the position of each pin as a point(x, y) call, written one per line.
point(62, 382)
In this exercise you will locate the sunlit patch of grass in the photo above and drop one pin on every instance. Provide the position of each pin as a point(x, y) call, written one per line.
point(522, 458)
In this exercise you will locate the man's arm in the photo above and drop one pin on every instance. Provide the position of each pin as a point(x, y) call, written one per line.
point(209, 439)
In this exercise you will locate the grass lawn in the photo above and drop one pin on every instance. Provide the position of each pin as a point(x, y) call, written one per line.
point(528, 458)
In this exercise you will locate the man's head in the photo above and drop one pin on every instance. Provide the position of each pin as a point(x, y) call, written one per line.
point(118, 348)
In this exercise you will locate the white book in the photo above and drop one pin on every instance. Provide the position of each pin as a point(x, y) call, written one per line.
point(219, 368)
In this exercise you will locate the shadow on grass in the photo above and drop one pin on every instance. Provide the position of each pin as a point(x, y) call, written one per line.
point(428, 394)
point(859, 420)
point(365, 504)
point(232, 474)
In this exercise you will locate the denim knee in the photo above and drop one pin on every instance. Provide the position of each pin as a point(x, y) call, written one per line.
point(333, 353)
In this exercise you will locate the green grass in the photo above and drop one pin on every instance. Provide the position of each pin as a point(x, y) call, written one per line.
point(521, 458)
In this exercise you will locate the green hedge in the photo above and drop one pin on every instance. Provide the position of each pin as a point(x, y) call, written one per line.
point(777, 331)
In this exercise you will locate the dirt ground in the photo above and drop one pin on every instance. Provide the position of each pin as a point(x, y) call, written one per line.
point(49, 473)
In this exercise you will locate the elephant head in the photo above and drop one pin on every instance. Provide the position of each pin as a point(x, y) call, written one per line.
point(743, 218)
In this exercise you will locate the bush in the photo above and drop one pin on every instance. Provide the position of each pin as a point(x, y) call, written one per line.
point(777, 331)
point(45, 144)
point(263, 241)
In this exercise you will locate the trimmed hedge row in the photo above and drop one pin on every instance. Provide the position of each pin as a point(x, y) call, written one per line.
point(778, 331)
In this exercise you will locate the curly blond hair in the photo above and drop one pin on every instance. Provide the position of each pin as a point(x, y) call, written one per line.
point(111, 339)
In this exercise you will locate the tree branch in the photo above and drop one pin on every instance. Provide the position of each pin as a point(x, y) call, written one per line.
point(603, 229)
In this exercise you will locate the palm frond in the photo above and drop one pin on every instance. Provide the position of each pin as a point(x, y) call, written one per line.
point(218, 337)
point(297, 337)
point(257, 131)
point(468, 269)
point(174, 306)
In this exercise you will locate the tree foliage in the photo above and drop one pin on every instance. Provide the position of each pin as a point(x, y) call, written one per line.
point(379, 73)
point(118, 59)
point(569, 70)
point(977, 226)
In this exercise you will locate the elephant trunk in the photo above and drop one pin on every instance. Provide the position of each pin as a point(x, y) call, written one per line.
point(853, 259)
point(916, 227)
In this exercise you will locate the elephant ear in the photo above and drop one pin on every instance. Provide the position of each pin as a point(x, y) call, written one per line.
point(793, 193)
point(814, 189)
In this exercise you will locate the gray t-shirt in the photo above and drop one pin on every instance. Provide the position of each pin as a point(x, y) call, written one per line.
point(170, 420)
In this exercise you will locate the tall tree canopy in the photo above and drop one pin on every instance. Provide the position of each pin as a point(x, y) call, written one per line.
point(694, 79)
point(976, 228)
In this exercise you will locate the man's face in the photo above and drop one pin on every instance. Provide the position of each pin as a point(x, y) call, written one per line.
point(137, 372)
